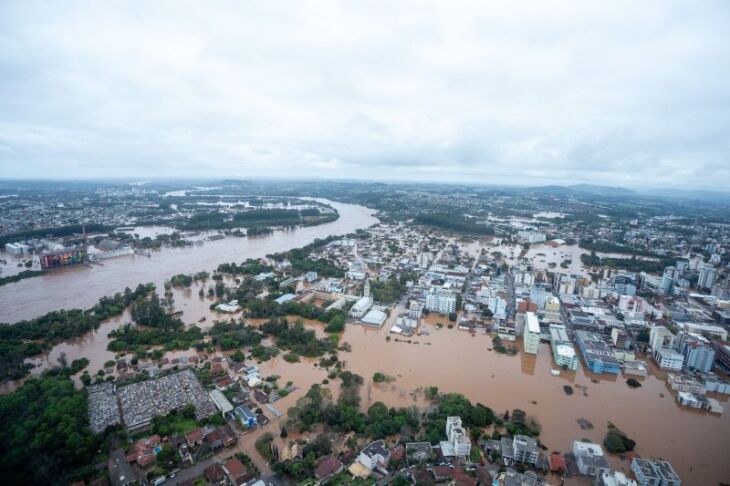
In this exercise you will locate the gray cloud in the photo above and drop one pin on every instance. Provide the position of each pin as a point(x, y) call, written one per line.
point(536, 92)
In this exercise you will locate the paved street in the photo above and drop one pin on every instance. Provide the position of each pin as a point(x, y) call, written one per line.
point(191, 472)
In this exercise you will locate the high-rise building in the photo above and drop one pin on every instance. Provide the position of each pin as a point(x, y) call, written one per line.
point(624, 284)
point(661, 338)
point(708, 276)
point(538, 295)
point(458, 443)
point(563, 351)
point(699, 355)
point(441, 301)
point(721, 290)
point(665, 287)
point(682, 265)
point(531, 335)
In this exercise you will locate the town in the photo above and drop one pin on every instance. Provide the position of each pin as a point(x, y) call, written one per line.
point(264, 371)
point(364, 243)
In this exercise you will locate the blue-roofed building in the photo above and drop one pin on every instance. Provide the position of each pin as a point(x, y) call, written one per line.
point(284, 298)
point(245, 415)
point(597, 353)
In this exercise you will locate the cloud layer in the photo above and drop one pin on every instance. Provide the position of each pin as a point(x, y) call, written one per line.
point(493, 92)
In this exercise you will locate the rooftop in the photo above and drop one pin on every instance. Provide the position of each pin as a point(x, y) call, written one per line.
point(531, 323)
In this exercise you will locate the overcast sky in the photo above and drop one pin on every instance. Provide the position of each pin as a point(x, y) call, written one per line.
point(618, 93)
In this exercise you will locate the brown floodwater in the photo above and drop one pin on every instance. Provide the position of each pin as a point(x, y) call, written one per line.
point(81, 287)
point(543, 256)
point(696, 443)
point(458, 361)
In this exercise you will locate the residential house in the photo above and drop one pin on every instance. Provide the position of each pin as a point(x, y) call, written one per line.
point(215, 474)
point(236, 472)
point(327, 467)
point(194, 438)
point(245, 415)
point(589, 458)
point(374, 455)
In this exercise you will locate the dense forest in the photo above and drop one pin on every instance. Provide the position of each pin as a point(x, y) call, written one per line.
point(45, 437)
point(631, 264)
point(259, 218)
point(454, 222)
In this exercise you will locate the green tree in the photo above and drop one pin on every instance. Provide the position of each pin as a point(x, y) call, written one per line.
point(336, 324)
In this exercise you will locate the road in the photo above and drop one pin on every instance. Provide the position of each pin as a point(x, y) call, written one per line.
point(190, 473)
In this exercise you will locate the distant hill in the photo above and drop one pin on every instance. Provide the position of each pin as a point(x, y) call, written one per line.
point(579, 190)
point(690, 195)
point(602, 190)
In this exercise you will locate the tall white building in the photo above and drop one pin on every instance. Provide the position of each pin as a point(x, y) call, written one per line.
point(708, 276)
point(563, 351)
point(531, 336)
point(668, 359)
point(661, 338)
point(632, 306)
point(441, 301)
point(458, 443)
point(665, 287)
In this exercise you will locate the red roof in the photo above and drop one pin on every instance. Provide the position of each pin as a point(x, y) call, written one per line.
point(214, 473)
point(194, 436)
point(557, 462)
point(327, 467)
point(441, 471)
point(146, 459)
point(153, 440)
point(235, 468)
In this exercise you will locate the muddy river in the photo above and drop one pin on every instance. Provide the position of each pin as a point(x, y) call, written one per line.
point(696, 443)
point(81, 287)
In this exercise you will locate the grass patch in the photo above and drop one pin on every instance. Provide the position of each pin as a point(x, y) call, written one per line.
point(263, 446)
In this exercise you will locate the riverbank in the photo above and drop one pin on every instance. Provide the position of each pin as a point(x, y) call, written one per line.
point(81, 287)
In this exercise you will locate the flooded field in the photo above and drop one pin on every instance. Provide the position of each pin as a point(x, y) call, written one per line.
point(544, 256)
point(81, 287)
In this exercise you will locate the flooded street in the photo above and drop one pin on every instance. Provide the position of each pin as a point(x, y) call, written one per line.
point(458, 361)
point(81, 287)
point(544, 256)
point(455, 361)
